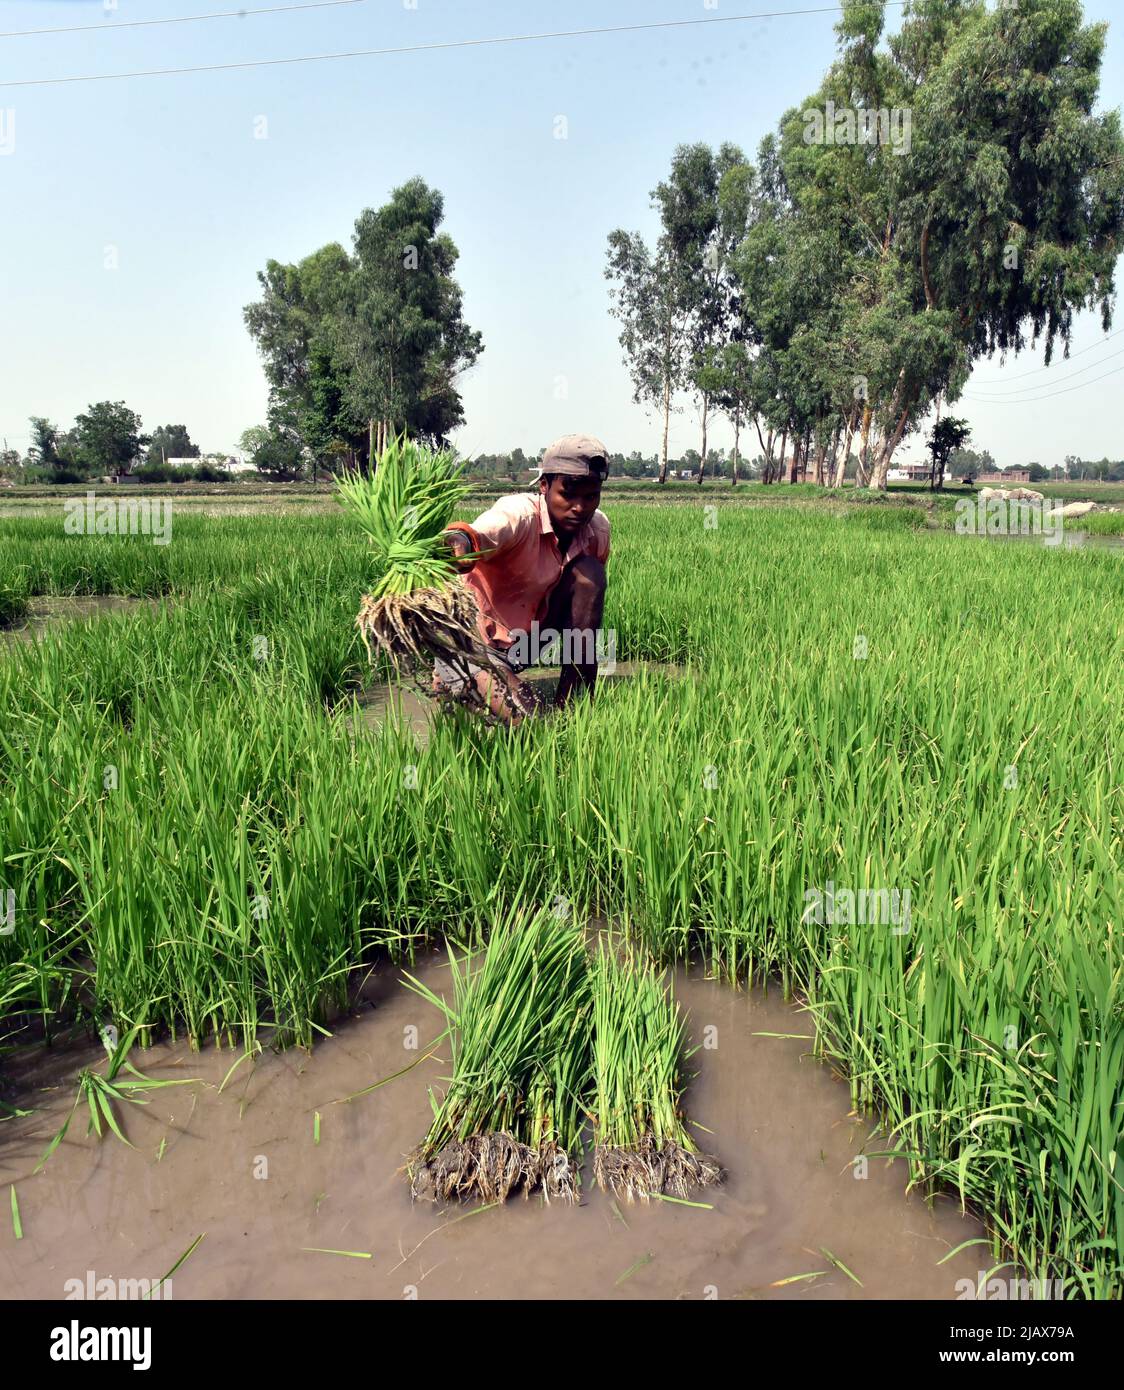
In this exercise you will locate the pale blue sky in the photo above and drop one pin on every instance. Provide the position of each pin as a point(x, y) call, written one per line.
point(167, 171)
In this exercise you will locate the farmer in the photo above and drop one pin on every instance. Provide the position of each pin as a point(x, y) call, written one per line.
point(544, 569)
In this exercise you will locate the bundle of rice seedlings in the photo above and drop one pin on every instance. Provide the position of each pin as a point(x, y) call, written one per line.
point(415, 610)
point(641, 1145)
point(518, 1026)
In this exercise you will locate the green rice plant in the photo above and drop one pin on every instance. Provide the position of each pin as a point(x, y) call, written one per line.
point(99, 1092)
point(403, 507)
point(642, 1148)
point(414, 609)
point(259, 843)
point(13, 593)
point(518, 1027)
point(13, 606)
point(1107, 523)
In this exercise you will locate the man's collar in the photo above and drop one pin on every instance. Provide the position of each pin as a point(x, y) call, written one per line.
point(544, 515)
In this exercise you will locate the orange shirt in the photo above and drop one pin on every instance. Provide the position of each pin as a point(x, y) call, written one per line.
point(512, 587)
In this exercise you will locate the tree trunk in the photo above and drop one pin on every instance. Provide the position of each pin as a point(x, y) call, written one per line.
point(892, 438)
point(889, 444)
point(784, 446)
point(841, 465)
point(817, 470)
point(737, 432)
point(794, 466)
point(864, 451)
point(936, 475)
point(827, 468)
point(766, 449)
point(666, 424)
point(702, 456)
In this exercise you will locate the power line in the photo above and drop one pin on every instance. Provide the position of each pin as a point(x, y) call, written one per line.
point(426, 47)
point(1092, 367)
point(984, 400)
point(108, 28)
point(1037, 370)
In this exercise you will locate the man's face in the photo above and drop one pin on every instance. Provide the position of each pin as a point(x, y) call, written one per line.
point(570, 502)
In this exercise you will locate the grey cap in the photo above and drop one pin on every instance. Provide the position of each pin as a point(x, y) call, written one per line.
point(577, 456)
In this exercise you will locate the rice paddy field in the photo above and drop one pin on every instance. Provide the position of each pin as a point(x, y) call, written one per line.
point(207, 842)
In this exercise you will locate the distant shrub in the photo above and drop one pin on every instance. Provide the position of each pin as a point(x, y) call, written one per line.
point(182, 473)
point(210, 473)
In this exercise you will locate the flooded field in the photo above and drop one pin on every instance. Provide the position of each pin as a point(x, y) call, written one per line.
point(706, 809)
point(49, 610)
point(417, 711)
point(1068, 540)
point(240, 1166)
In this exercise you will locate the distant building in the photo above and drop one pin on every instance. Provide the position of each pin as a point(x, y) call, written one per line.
point(1006, 475)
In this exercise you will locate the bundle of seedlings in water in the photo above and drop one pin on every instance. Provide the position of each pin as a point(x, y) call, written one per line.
point(416, 611)
point(641, 1145)
point(518, 1027)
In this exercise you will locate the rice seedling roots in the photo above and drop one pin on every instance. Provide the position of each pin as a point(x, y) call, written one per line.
point(437, 624)
point(653, 1170)
point(489, 1168)
point(425, 625)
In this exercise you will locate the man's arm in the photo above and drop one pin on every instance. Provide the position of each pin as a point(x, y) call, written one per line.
point(495, 531)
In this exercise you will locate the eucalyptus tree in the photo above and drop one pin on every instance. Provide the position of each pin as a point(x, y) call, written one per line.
point(706, 207)
point(976, 193)
point(644, 297)
point(792, 272)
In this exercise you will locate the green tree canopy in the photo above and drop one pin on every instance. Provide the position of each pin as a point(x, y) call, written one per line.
point(359, 345)
point(109, 437)
point(171, 442)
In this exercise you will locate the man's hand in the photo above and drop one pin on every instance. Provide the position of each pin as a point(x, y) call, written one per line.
point(461, 546)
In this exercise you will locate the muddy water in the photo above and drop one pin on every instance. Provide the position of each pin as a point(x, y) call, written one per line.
point(779, 1122)
point(417, 711)
point(1070, 540)
point(46, 611)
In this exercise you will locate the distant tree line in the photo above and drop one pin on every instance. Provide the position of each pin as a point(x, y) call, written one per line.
point(107, 440)
point(1083, 470)
point(515, 466)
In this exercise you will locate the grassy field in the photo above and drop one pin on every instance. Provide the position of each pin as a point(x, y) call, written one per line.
point(202, 835)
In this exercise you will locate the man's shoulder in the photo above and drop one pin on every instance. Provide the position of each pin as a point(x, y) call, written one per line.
point(516, 505)
point(600, 523)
